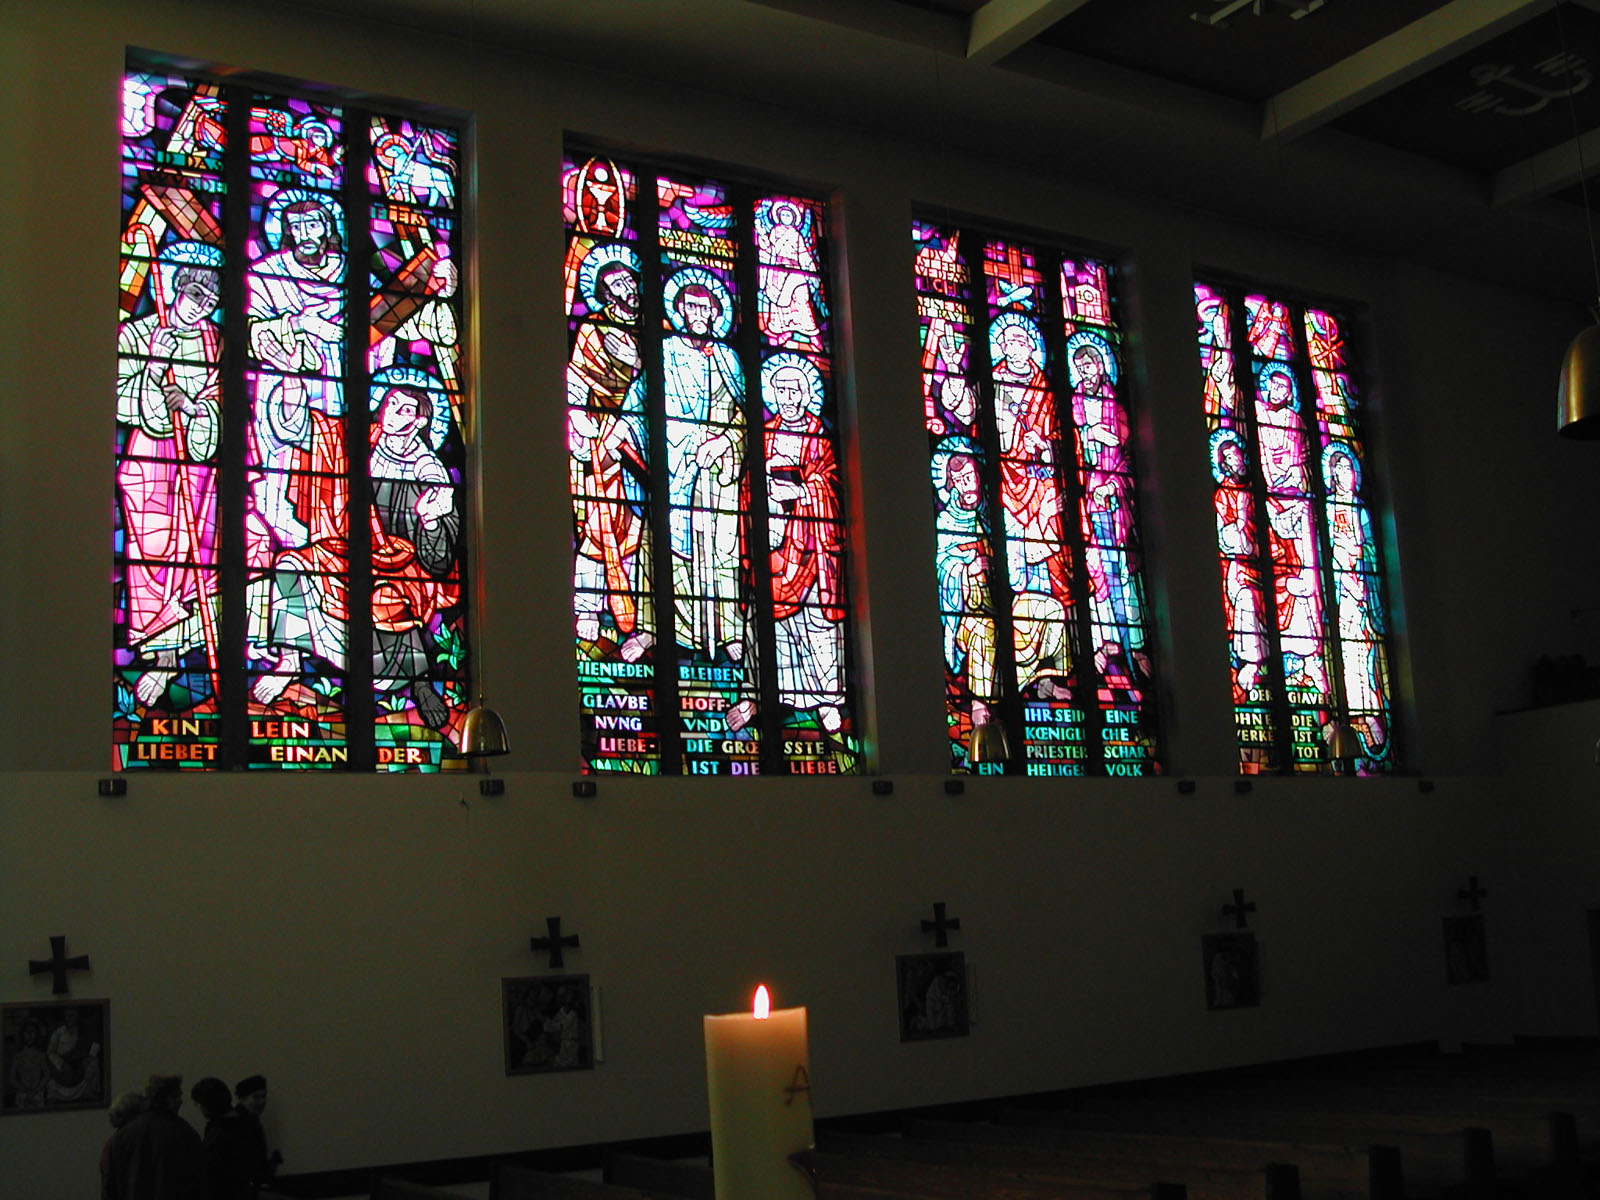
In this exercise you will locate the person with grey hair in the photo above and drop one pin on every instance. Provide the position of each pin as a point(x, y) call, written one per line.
point(156, 1155)
point(124, 1109)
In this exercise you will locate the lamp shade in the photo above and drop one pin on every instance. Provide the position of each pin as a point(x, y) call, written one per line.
point(483, 733)
point(1578, 398)
point(989, 743)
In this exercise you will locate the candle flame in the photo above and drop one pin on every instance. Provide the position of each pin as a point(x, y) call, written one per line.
point(763, 1004)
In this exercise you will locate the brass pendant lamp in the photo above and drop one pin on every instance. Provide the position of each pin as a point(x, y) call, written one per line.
point(483, 733)
point(1578, 398)
point(989, 743)
point(1578, 395)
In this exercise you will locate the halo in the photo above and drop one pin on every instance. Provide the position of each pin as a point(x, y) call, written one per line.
point(604, 256)
point(773, 205)
point(1218, 440)
point(1276, 368)
point(193, 254)
point(272, 219)
point(1087, 337)
point(722, 323)
point(1004, 322)
point(178, 255)
point(383, 148)
point(310, 122)
point(1345, 448)
point(415, 377)
point(800, 363)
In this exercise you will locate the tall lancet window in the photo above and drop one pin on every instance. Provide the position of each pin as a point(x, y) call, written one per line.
point(709, 580)
point(1302, 583)
point(1041, 589)
point(290, 465)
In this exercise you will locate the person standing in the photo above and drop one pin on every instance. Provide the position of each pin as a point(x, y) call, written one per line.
point(259, 1166)
point(226, 1144)
point(157, 1155)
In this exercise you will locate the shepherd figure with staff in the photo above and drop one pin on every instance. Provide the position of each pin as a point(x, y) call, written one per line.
point(169, 411)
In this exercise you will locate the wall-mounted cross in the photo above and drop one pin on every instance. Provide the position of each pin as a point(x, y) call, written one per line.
point(940, 926)
point(1472, 893)
point(1238, 909)
point(58, 964)
point(554, 942)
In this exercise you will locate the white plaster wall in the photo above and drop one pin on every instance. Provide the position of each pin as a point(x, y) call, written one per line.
point(347, 938)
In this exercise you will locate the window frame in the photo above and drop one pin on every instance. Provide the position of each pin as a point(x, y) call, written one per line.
point(238, 742)
point(1353, 327)
point(744, 190)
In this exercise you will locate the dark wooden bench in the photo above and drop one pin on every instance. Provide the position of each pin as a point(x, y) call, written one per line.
point(1277, 1182)
point(850, 1177)
point(385, 1188)
point(1548, 1115)
point(512, 1182)
point(1522, 1139)
point(687, 1180)
point(1326, 1170)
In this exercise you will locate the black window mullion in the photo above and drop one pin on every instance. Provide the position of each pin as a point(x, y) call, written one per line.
point(1008, 703)
point(1069, 486)
point(1245, 391)
point(359, 704)
point(669, 718)
point(758, 586)
point(234, 684)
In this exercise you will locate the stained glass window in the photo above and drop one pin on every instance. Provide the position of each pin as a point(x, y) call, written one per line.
point(709, 579)
point(1301, 582)
point(1041, 590)
point(290, 464)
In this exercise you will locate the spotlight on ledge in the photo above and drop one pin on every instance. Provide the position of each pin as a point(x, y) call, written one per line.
point(1578, 398)
point(483, 733)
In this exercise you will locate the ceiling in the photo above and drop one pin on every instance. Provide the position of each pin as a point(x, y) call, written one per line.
point(1440, 130)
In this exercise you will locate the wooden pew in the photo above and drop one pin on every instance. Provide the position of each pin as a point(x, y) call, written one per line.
point(841, 1177)
point(1276, 1182)
point(513, 1182)
point(1522, 1139)
point(1560, 1113)
point(385, 1188)
point(1326, 1171)
point(660, 1175)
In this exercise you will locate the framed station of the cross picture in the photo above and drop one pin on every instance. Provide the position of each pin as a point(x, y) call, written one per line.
point(54, 1055)
point(1466, 949)
point(1232, 970)
point(933, 995)
point(548, 1024)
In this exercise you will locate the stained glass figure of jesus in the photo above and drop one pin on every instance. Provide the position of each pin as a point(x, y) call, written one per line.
point(297, 542)
point(1036, 559)
point(703, 388)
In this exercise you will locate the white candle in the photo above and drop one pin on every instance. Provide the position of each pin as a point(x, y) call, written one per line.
point(758, 1074)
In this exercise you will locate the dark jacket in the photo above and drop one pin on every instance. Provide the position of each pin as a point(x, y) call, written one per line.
point(155, 1156)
